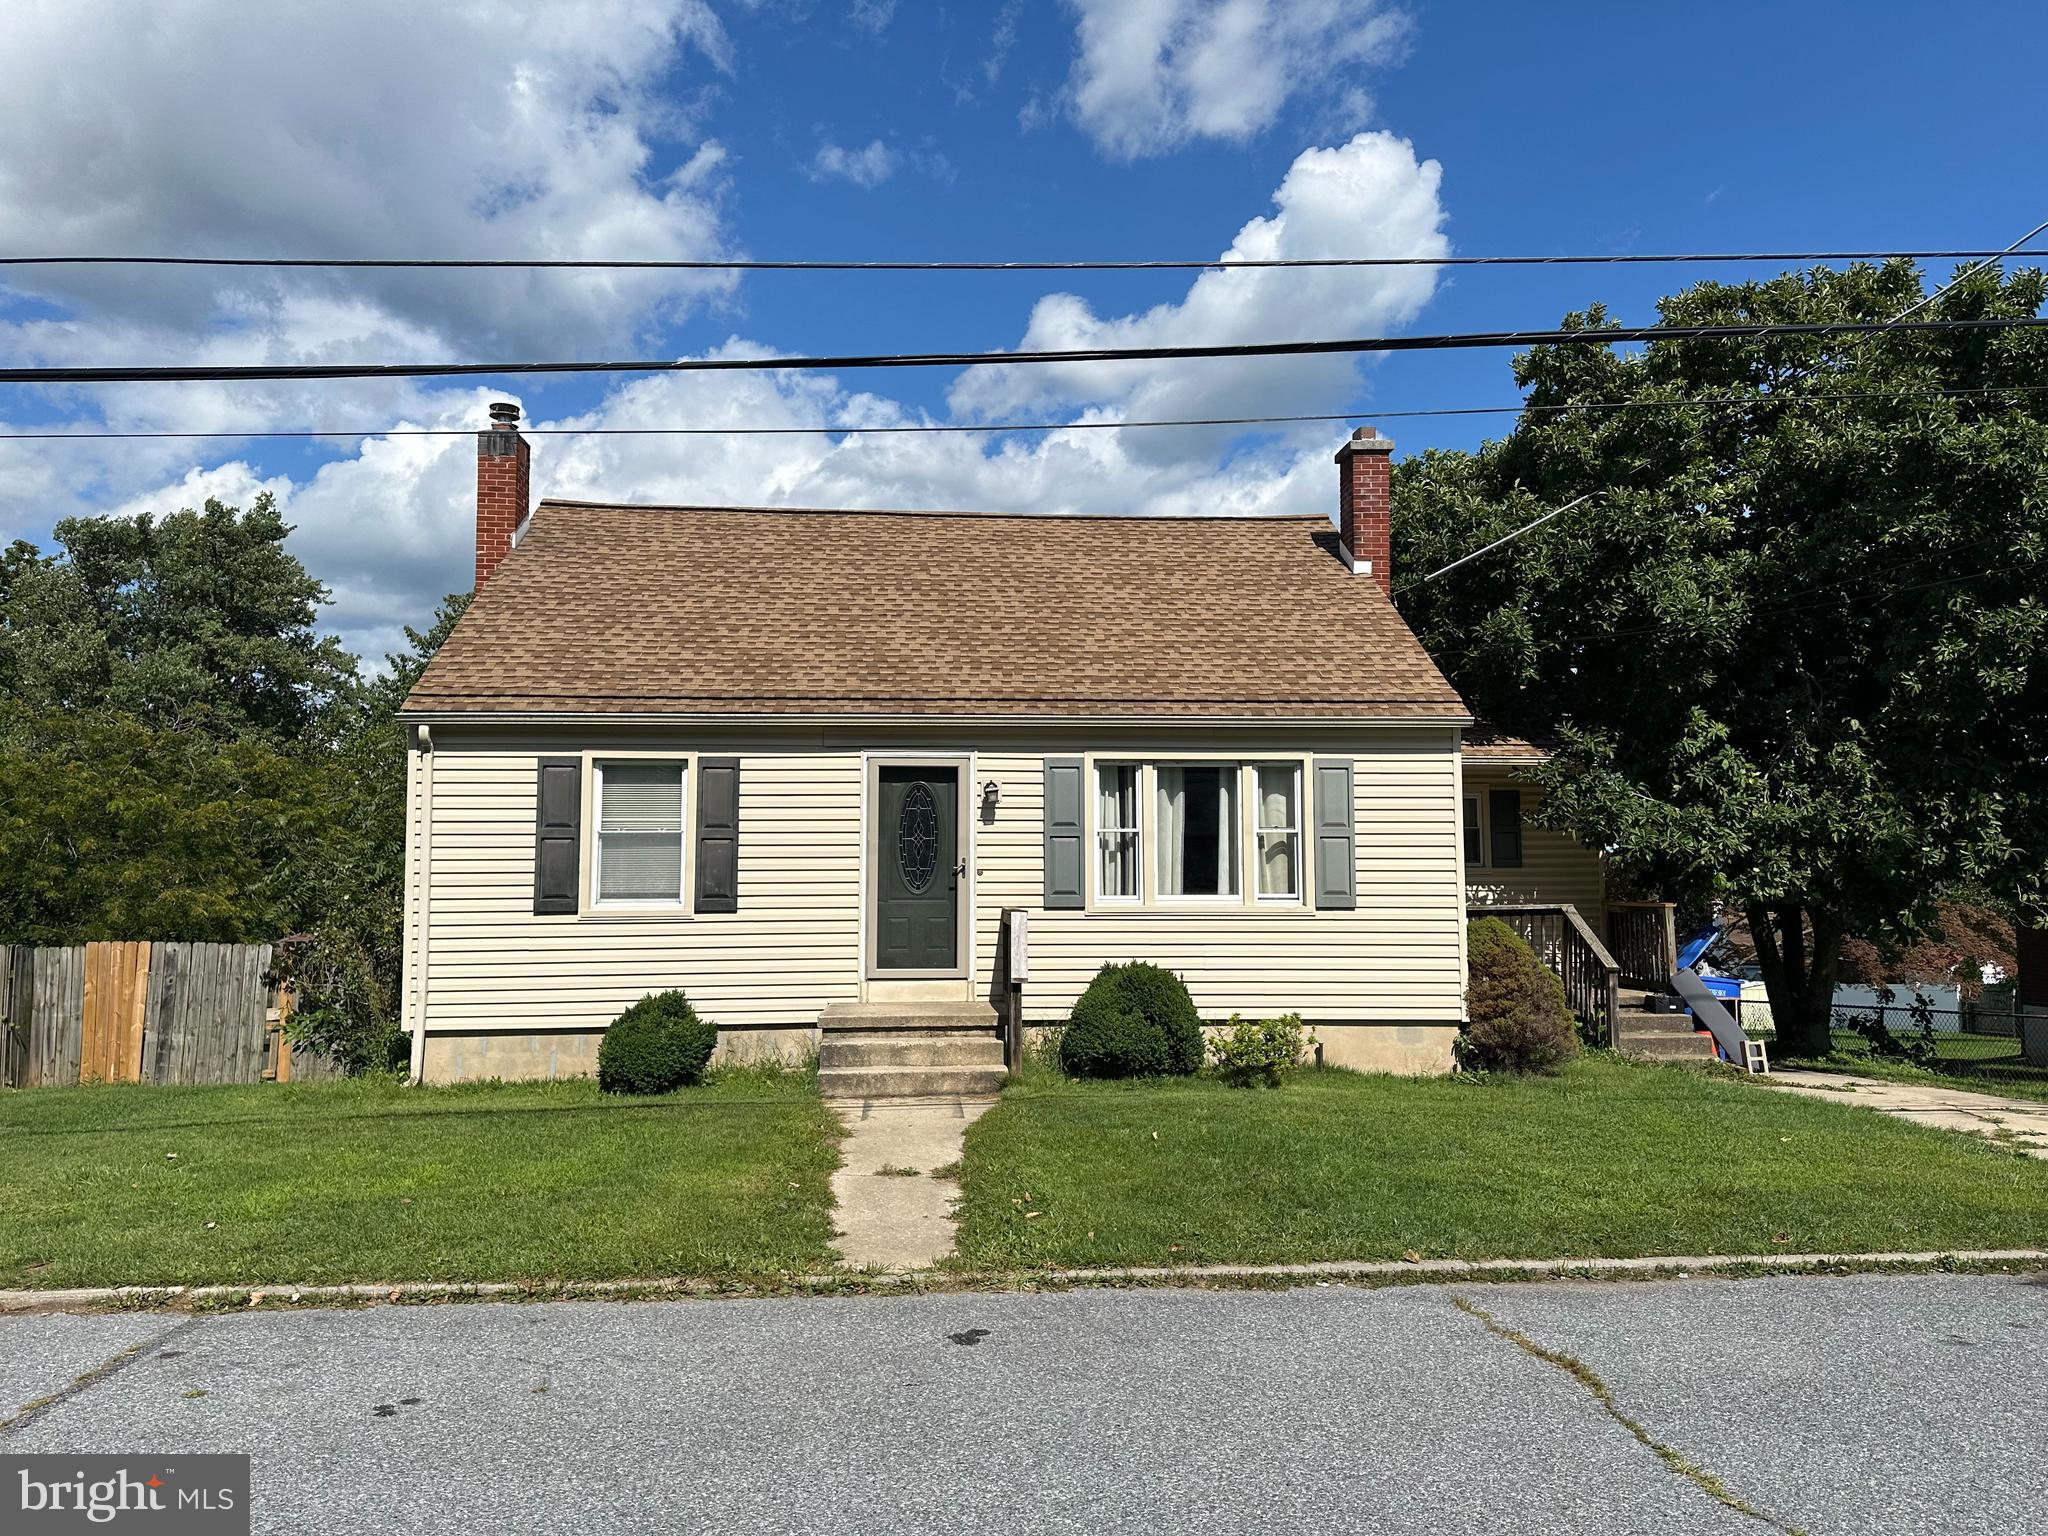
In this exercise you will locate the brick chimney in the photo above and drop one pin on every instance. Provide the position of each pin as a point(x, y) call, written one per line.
point(1365, 485)
point(502, 487)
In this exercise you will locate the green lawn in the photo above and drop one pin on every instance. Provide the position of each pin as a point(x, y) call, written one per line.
point(370, 1180)
point(1610, 1158)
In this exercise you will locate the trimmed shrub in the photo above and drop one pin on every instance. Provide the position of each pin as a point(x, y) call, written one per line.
point(1518, 1019)
point(656, 1046)
point(1135, 1020)
point(1248, 1052)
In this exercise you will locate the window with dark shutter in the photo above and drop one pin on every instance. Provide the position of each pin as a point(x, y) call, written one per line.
point(1336, 838)
point(718, 834)
point(1065, 807)
point(557, 834)
point(1504, 811)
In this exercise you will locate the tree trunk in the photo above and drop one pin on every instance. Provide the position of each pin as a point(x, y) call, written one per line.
point(1799, 977)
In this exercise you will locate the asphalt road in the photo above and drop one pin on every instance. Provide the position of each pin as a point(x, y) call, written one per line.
point(1873, 1404)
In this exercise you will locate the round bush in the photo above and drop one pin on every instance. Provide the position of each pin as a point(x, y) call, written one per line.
point(657, 1045)
point(1135, 1020)
point(1518, 1019)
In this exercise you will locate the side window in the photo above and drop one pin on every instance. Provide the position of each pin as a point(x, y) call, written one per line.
point(1504, 810)
point(639, 855)
point(1279, 830)
point(1475, 846)
point(1116, 832)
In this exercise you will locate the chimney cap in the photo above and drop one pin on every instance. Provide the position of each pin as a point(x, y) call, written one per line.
point(1365, 440)
point(504, 415)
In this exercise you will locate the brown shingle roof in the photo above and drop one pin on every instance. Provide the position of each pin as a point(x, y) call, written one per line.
point(1485, 744)
point(685, 610)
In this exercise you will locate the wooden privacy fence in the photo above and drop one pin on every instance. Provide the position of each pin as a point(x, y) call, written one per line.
point(144, 1012)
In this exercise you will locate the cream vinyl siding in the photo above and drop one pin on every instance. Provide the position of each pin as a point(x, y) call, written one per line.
point(1556, 867)
point(794, 945)
point(1398, 957)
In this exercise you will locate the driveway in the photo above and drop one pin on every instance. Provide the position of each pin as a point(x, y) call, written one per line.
point(2023, 1123)
point(1897, 1404)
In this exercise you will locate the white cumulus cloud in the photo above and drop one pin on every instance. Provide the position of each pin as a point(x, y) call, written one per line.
point(380, 127)
point(390, 527)
point(1150, 75)
point(866, 167)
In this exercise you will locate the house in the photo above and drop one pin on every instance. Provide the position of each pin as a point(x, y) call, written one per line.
point(798, 763)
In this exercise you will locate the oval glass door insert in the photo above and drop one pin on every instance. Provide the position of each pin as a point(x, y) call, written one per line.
point(917, 838)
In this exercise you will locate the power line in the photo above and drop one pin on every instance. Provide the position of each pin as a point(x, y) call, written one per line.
point(1454, 341)
point(1967, 273)
point(1496, 544)
point(1221, 263)
point(856, 429)
point(1892, 324)
point(1848, 600)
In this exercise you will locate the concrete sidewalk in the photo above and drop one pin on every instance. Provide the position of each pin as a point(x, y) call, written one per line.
point(894, 1211)
point(1866, 1404)
point(2020, 1122)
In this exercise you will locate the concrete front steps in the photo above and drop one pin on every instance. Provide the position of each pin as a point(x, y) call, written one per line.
point(870, 1051)
point(1661, 1037)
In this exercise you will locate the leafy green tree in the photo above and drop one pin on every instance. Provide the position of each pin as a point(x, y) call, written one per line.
point(111, 828)
point(1795, 651)
point(195, 619)
point(349, 970)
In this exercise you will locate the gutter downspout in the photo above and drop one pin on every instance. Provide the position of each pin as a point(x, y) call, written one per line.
point(420, 832)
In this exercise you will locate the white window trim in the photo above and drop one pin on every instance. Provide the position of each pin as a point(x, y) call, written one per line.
point(1095, 767)
point(593, 801)
point(1477, 799)
point(1151, 899)
point(1279, 898)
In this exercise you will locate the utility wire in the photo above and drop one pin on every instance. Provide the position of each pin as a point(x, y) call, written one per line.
point(856, 429)
point(1893, 324)
point(1220, 263)
point(1963, 276)
point(1848, 600)
point(1455, 341)
point(1496, 544)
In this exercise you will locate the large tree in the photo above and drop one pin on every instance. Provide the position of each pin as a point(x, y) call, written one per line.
point(1794, 650)
point(198, 619)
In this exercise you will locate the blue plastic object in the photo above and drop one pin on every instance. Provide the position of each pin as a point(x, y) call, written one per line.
point(1694, 949)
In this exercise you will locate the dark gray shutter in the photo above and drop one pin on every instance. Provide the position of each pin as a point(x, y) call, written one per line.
point(1066, 865)
point(718, 834)
point(1504, 807)
point(1336, 878)
point(557, 834)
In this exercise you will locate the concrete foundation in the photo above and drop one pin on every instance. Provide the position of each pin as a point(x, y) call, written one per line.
point(1401, 1050)
point(452, 1057)
point(1404, 1050)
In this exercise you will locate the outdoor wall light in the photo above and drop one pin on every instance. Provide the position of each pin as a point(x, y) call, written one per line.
point(991, 792)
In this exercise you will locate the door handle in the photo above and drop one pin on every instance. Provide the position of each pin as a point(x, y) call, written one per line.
point(960, 870)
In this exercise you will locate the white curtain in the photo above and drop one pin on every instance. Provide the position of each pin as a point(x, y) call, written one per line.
point(1116, 821)
point(1225, 780)
point(1278, 831)
point(1198, 804)
point(1173, 829)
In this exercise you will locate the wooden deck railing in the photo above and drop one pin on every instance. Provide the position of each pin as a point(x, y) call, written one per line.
point(1562, 941)
point(1644, 938)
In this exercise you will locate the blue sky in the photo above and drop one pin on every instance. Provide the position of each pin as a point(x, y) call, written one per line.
point(863, 129)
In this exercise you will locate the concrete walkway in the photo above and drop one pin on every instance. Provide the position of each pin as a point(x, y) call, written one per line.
point(894, 1212)
point(2020, 1122)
